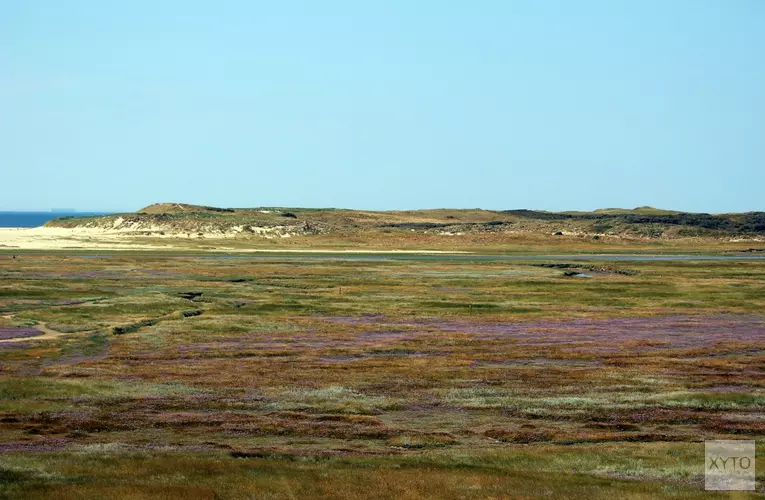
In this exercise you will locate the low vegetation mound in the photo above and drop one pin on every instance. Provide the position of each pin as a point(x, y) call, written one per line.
point(182, 208)
point(168, 219)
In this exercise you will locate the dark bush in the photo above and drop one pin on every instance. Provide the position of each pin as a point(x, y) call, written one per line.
point(10, 476)
point(133, 327)
point(216, 209)
point(192, 313)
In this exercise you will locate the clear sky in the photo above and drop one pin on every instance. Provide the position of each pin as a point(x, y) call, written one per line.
point(395, 104)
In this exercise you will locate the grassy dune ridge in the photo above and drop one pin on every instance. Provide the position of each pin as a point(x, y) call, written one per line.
point(483, 231)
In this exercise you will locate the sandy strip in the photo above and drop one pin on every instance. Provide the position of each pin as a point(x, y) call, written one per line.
point(84, 238)
point(58, 238)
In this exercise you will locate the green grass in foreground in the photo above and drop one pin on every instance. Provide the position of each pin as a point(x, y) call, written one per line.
point(631, 471)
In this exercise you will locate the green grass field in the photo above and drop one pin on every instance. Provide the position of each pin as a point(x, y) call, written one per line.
point(131, 376)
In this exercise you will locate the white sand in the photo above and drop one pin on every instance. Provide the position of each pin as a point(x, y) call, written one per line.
point(59, 238)
point(87, 238)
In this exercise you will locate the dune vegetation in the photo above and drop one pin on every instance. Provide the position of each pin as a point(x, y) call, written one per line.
point(155, 376)
point(174, 226)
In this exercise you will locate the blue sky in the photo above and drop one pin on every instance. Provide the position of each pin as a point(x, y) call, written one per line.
point(383, 105)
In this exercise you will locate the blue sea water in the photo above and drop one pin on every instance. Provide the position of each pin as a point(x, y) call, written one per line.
point(35, 219)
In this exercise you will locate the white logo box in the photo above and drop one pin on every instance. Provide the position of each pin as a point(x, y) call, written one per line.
point(729, 465)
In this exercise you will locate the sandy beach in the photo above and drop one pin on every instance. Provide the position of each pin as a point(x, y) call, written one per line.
point(55, 238)
point(87, 238)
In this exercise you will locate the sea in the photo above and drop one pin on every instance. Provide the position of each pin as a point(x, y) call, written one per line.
point(35, 219)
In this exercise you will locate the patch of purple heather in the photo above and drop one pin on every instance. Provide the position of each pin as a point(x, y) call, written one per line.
point(538, 362)
point(364, 319)
point(7, 346)
point(585, 337)
point(586, 333)
point(365, 356)
point(33, 446)
point(17, 332)
point(159, 272)
point(87, 274)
